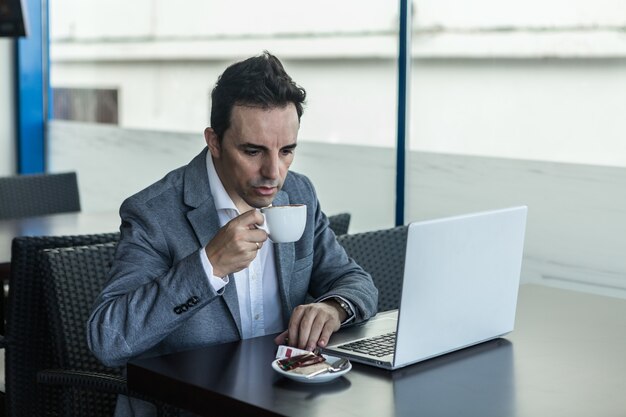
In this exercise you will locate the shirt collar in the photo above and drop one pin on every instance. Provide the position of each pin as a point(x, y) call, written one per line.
point(220, 196)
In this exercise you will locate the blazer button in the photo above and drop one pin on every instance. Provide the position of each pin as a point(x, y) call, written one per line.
point(177, 310)
point(193, 300)
point(184, 307)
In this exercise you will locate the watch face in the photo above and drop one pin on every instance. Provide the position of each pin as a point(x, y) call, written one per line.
point(344, 306)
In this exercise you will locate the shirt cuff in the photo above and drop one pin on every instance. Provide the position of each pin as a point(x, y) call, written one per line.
point(217, 283)
point(351, 316)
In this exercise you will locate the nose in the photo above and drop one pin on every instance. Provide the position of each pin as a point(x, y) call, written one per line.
point(271, 167)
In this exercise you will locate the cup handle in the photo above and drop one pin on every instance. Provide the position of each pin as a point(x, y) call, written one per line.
point(264, 225)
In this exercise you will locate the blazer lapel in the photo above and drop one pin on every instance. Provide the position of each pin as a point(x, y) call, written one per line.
point(285, 256)
point(197, 195)
point(204, 220)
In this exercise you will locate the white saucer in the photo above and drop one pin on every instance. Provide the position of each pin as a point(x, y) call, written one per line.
point(326, 377)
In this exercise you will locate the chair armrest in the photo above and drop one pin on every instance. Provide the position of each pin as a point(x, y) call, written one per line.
point(94, 381)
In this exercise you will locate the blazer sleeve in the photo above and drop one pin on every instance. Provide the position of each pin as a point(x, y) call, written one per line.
point(334, 273)
point(147, 290)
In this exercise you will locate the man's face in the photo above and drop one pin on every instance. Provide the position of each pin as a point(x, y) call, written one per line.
point(255, 153)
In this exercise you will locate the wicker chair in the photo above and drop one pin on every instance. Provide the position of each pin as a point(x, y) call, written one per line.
point(339, 223)
point(36, 195)
point(28, 338)
point(381, 253)
point(75, 277)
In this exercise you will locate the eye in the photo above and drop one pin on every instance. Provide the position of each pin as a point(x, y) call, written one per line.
point(251, 151)
point(288, 151)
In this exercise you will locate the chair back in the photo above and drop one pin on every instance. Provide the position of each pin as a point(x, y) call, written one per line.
point(36, 195)
point(382, 254)
point(75, 277)
point(339, 223)
point(29, 339)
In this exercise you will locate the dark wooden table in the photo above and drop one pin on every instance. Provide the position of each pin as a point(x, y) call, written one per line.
point(53, 225)
point(567, 357)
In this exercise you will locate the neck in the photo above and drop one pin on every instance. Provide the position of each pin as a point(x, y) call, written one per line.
point(241, 205)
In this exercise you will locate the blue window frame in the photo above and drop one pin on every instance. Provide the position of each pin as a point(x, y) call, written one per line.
point(404, 74)
point(32, 84)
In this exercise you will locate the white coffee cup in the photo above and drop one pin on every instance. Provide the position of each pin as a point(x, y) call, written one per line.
point(284, 223)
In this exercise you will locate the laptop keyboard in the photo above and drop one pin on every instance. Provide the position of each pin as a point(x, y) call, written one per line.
point(375, 346)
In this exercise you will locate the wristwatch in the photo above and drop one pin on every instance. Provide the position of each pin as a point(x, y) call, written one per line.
point(344, 306)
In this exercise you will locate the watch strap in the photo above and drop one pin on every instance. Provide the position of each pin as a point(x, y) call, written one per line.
point(344, 306)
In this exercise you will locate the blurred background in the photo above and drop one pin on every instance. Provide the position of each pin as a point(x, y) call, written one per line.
point(511, 103)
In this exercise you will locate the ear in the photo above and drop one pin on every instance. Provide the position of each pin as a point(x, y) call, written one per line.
point(213, 142)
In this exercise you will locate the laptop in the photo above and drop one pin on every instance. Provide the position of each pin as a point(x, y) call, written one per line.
point(460, 284)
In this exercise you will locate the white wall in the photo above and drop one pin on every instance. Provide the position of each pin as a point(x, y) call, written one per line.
point(175, 96)
point(7, 109)
point(548, 110)
point(94, 19)
point(576, 233)
point(114, 163)
point(500, 14)
point(576, 230)
point(551, 110)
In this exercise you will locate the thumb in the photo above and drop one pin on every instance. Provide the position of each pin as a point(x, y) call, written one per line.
point(281, 339)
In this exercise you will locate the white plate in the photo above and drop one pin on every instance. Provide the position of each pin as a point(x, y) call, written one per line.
point(316, 379)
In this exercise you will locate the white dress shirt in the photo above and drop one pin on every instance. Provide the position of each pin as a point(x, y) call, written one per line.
point(257, 285)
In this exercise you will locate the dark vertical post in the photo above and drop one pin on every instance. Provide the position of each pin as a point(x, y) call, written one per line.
point(404, 77)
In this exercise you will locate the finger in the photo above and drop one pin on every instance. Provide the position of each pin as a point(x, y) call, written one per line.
point(249, 219)
point(329, 328)
point(254, 219)
point(259, 219)
point(294, 325)
point(252, 240)
point(282, 338)
point(304, 330)
point(316, 331)
point(257, 235)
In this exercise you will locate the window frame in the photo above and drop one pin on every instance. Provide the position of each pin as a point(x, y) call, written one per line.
point(32, 75)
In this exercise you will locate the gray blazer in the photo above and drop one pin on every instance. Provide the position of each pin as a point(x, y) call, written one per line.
point(158, 299)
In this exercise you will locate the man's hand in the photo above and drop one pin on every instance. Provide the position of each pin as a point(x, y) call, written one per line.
point(312, 324)
point(236, 244)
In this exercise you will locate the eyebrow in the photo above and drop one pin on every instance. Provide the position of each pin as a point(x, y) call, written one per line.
point(249, 145)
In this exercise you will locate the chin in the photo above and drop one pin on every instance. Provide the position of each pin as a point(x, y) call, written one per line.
point(260, 203)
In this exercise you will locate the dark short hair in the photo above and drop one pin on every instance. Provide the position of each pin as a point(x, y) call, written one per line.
point(260, 81)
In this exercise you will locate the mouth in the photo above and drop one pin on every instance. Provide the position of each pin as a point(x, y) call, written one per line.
point(265, 191)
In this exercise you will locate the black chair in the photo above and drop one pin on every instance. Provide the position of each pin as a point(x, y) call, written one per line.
point(382, 254)
point(74, 278)
point(28, 339)
point(33, 195)
point(339, 223)
point(36, 195)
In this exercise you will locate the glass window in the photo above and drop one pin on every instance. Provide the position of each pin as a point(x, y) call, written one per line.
point(522, 104)
point(163, 58)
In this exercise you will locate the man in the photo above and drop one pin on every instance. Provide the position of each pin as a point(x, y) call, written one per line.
point(193, 267)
